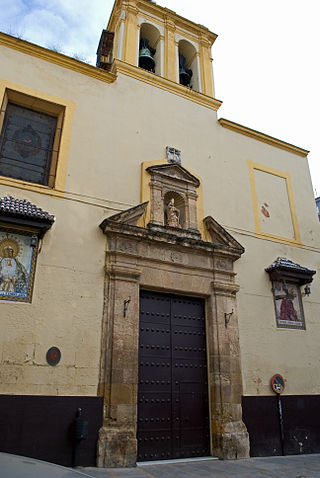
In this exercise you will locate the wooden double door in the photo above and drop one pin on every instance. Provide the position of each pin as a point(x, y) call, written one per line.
point(173, 415)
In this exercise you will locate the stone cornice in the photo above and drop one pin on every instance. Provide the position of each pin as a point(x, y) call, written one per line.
point(127, 274)
point(238, 128)
point(225, 288)
point(56, 58)
point(165, 84)
point(140, 233)
point(166, 238)
point(166, 13)
point(132, 9)
point(179, 21)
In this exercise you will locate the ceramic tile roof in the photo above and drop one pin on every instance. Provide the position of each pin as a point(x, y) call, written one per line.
point(22, 208)
point(285, 264)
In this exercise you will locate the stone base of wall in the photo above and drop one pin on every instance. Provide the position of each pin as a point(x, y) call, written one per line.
point(117, 447)
point(42, 427)
point(230, 446)
point(301, 422)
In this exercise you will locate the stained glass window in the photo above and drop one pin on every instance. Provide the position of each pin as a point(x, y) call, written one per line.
point(26, 144)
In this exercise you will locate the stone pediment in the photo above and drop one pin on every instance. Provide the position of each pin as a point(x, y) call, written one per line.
point(220, 237)
point(129, 216)
point(174, 171)
point(126, 221)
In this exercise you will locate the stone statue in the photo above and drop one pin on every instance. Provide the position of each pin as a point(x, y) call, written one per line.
point(173, 214)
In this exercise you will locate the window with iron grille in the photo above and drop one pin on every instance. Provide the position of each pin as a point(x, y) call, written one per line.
point(30, 138)
point(26, 144)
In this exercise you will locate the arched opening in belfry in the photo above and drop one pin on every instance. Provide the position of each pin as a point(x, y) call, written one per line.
point(149, 48)
point(189, 74)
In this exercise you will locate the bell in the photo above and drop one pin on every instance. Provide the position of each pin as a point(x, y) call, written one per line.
point(146, 53)
point(185, 74)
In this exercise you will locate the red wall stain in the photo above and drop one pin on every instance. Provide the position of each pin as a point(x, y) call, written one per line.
point(264, 210)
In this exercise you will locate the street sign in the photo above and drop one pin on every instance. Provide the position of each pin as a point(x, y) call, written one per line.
point(277, 383)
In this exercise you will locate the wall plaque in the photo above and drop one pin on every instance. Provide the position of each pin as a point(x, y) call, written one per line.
point(53, 356)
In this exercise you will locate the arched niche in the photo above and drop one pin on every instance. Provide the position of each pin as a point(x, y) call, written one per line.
point(189, 52)
point(152, 34)
point(179, 204)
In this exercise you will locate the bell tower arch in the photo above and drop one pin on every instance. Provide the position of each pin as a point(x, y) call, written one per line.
point(150, 54)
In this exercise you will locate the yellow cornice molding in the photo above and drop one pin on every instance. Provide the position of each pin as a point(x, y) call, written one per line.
point(179, 21)
point(131, 9)
point(165, 84)
point(191, 36)
point(146, 6)
point(56, 58)
point(170, 24)
point(278, 143)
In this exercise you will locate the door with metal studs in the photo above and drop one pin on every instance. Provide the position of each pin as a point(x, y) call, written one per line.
point(173, 416)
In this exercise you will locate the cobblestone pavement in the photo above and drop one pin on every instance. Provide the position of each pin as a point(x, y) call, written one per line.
point(301, 466)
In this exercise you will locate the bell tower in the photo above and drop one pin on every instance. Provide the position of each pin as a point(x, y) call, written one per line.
point(152, 40)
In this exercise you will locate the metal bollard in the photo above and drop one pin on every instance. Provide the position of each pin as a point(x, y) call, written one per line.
point(80, 434)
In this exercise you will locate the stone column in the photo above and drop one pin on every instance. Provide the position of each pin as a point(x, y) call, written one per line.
point(170, 51)
point(157, 206)
point(119, 39)
point(117, 444)
point(130, 35)
point(229, 436)
point(192, 209)
point(206, 67)
point(199, 72)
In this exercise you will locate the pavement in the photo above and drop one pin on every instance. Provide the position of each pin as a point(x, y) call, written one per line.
point(293, 466)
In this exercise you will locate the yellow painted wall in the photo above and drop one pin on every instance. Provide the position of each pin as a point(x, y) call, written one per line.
point(65, 310)
point(117, 126)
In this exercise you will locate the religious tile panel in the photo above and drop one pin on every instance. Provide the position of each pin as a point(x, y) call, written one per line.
point(287, 278)
point(17, 264)
point(288, 305)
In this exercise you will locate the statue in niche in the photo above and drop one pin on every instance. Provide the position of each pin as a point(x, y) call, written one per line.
point(173, 214)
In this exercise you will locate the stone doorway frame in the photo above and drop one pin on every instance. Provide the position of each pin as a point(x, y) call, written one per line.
point(157, 259)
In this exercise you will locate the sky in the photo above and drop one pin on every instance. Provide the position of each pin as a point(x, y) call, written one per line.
point(265, 59)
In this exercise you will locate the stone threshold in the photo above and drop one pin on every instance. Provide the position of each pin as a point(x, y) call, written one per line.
point(179, 460)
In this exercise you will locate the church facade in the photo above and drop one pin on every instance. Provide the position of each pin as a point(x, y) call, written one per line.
point(158, 265)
